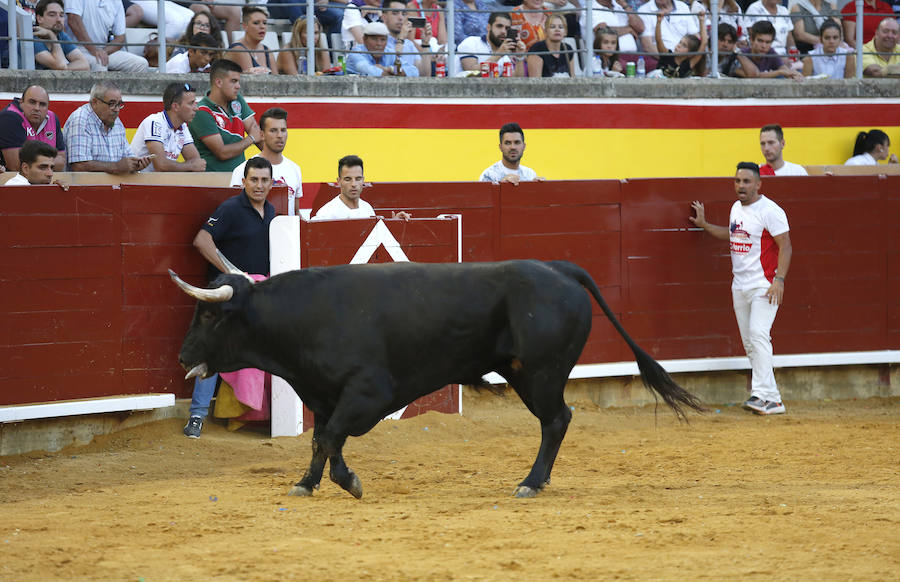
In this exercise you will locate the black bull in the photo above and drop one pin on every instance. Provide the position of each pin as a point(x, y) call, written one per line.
point(359, 342)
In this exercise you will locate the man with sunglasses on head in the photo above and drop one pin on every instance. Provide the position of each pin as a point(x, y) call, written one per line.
point(95, 136)
point(165, 135)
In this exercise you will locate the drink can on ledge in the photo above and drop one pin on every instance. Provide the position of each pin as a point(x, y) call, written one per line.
point(508, 69)
point(440, 69)
point(486, 69)
point(495, 70)
point(630, 69)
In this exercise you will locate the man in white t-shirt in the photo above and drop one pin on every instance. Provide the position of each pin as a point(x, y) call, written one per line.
point(349, 204)
point(495, 47)
point(612, 14)
point(164, 136)
point(677, 22)
point(779, 16)
point(760, 258)
point(35, 164)
point(273, 124)
point(771, 143)
point(355, 20)
point(509, 168)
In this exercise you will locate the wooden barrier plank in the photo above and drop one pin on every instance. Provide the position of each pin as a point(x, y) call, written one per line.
point(59, 295)
point(35, 327)
point(57, 230)
point(45, 387)
point(62, 262)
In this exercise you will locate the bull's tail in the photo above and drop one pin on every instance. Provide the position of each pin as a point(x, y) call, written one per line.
point(653, 375)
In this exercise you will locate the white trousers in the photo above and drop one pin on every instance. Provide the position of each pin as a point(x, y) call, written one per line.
point(755, 317)
point(121, 60)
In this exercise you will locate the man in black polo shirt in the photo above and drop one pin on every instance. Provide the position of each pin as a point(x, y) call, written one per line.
point(239, 229)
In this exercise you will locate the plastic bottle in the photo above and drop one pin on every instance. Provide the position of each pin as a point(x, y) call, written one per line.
point(641, 68)
point(343, 62)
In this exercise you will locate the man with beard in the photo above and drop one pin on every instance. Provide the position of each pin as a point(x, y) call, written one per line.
point(509, 168)
point(496, 47)
point(56, 51)
point(761, 252)
point(349, 203)
point(771, 143)
point(29, 118)
point(284, 172)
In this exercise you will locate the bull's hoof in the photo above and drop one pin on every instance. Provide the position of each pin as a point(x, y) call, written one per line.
point(300, 491)
point(524, 492)
point(355, 487)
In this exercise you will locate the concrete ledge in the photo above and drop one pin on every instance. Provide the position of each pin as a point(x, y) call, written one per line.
point(85, 406)
point(353, 86)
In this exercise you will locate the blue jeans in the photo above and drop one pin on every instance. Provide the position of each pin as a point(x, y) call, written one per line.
point(329, 17)
point(203, 393)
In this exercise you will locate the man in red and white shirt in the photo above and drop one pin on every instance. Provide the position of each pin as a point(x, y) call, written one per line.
point(771, 144)
point(760, 258)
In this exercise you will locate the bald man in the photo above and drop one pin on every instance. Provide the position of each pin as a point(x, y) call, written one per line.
point(26, 118)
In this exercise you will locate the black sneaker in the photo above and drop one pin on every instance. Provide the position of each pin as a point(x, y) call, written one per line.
point(193, 427)
point(755, 404)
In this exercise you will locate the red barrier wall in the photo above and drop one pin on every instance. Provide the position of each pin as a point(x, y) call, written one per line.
point(88, 310)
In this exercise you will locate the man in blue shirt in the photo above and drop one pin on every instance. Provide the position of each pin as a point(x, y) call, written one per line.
point(56, 51)
point(372, 60)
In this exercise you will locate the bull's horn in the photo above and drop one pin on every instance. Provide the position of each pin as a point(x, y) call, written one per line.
point(232, 269)
point(198, 370)
point(219, 295)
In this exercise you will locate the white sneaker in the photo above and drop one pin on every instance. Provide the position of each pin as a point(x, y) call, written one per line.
point(771, 407)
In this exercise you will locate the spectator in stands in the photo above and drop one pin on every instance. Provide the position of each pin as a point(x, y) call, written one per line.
point(165, 137)
point(874, 12)
point(728, 51)
point(96, 137)
point(147, 12)
point(729, 12)
point(831, 57)
point(357, 14)
point(195, 60)
point(771, 144)
point(870, 148)
point(349, 204)
point(288, 59)
point(759, 271)
point(273, 124)
point(677, 21)
point(471, 18)
point(550, 57)
point(774, 12)
point(530, 25)
point(885, 41)
point(497, 47)
point(509, 168)
point(200, 23)
point(229, 14)
point(328, 14)
point(35, 164)
point(606, 52)
point(222, 118)
point(56, 51)
point(253, 56)
point(102, 23)
point(678, 63)
point(432, 12)
point(239, 229)
point(394, 14)
point(760, 60)
point(608, 14)
point(808, 16)
point(371, 60)
point(29, 118)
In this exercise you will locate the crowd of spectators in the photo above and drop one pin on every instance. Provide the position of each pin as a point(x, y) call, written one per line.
point(788, 39)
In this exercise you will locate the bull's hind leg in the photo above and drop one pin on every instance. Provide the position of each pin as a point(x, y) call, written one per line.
point(544, 398)
point(313, 476)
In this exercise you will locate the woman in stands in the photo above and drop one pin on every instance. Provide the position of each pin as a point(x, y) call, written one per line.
point(425, 9)
point(550, 57)
point(287, 60)
point(871, 147)
point(201, 22)
point(253, 56)
point(808, 17)
point(529, 24)
point(831, 57)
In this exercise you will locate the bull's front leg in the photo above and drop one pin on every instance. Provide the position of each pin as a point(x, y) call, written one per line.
point(313, 476)
point(341, 474)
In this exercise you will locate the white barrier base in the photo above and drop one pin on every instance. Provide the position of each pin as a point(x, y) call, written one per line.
point(85, 406)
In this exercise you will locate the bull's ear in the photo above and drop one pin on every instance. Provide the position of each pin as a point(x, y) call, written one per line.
point(232, 269)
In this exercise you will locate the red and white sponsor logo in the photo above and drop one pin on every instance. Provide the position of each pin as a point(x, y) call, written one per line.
point(741, 248)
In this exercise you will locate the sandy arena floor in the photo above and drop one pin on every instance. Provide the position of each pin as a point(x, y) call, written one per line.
point(814, 495)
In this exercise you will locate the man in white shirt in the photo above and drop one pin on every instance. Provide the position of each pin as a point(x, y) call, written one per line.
point(195, 60)
point(771, 143)
point(612, 14)
point(35, 164)
point(496, 47)
point(165, 136)
point(355, 20)
point(779, 16)
point(349, 204)
point(760, 257)
point(273, 124)
point(509, 169)
point(678, 21)
point(102, 24)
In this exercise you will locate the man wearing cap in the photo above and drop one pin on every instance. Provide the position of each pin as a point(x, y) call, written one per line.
point(164, 136)
point(372, 61)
